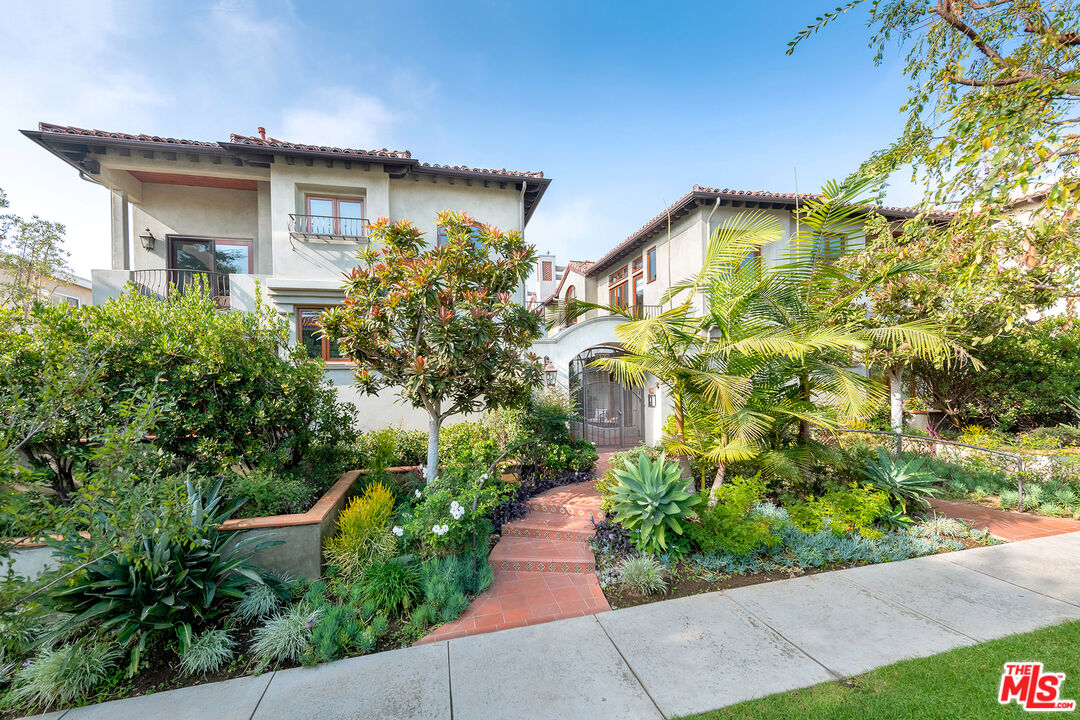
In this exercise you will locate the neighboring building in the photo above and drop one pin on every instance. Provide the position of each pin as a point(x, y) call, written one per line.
point(635, 274)
point(287, 216)
point(72, 289)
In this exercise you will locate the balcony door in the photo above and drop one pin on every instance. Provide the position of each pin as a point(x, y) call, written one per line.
point(208, 260)
point(335, 216)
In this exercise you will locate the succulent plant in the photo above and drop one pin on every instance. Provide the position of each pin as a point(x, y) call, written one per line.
point(650, 499)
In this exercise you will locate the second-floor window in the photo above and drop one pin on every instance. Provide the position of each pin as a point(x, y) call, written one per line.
point(309, 335)
point(474, 233)
point(335, 216)
point(651, 258)
point(830, 247)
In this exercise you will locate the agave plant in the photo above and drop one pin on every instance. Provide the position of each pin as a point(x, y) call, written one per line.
point(904, 480)
point(650, 499)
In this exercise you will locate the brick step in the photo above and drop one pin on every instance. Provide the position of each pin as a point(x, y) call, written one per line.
point(579, 499)
point(527, 554)
point(550, 526)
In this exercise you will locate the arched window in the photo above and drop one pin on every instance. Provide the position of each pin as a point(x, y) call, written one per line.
point(570, 294)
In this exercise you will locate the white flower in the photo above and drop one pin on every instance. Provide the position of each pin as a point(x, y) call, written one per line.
point(456, 510)
point(440, 529)
point(398, 531)
point(445, 529)
point(417, 493)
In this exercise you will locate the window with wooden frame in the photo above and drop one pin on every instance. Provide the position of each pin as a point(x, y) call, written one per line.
point(571, 293)
point(617, 295)
point(639, 293)
point(752, 260)
point(617, 276)
point(335, 215)
point(638, 262)
point(651, 270)
point(830, 247)
point(309, 334)
point(474, 232)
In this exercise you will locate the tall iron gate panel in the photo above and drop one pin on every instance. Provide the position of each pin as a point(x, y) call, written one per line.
point(609, 414)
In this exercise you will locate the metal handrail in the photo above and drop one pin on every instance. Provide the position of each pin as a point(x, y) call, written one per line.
point(162, 283)
point(900, 450)
point(328, 225)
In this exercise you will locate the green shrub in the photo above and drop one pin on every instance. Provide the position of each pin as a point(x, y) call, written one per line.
point(651, 499)
point(904, 480)
point(443, 521)
point(60, 675)
point(393, 586)
point(232, 389)
point(164, 583)
point(271, 491)
point(849, 509)
point(731, 525)
point(643, 573)
point(468, 444)
point(207, 652)
point(363, 534)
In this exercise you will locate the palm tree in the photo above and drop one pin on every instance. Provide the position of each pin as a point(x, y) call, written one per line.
point(773, 349)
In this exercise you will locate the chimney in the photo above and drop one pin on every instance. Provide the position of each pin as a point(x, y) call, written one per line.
point(262, 133)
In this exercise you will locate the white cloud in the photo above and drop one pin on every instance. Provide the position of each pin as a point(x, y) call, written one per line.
point(340, 117)
point(247, 39)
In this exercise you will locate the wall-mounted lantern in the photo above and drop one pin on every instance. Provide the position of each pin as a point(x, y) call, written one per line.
point(550, 373)
point(147, 239)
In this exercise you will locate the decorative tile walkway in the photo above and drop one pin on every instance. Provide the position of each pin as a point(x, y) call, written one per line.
point(1005, 524)
point(544, 567)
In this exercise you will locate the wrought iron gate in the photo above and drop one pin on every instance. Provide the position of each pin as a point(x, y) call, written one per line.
point(609, 414)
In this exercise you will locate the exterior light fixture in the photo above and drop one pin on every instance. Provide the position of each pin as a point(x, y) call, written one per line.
point(550, 373)
point(147, 239)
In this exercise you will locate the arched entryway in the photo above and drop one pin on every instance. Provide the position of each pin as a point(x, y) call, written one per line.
point(610, 415)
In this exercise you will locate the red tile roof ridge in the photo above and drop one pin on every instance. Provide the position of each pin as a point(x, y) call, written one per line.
point(141, 137)
point(275, 143)
point(488, 171)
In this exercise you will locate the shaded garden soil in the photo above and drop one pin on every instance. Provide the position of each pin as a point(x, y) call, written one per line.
point(684, 582)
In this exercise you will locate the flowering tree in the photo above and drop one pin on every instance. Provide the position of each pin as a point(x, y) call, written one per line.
point(440, 323)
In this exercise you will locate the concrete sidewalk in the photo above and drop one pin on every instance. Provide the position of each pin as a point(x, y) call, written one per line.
point(669, 658)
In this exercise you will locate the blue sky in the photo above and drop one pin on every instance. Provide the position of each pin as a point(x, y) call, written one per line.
point(624, 105)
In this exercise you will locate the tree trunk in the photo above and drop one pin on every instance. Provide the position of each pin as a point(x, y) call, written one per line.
point(804, 426)
point(718, 480)
point(432, 469)
point(896, 398)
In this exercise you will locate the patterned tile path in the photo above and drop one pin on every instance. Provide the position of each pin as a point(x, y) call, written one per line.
point(1005, 524)
point(544, 568)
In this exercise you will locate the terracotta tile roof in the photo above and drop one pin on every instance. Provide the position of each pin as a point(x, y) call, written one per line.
point(485, 171)
point(276, 144)
point(105, 134)
point(704, 193)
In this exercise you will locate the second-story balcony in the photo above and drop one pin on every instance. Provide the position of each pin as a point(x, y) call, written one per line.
point(170, 282)
point(328, 228)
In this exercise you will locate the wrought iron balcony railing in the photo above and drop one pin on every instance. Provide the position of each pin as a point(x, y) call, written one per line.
point(328, 228)
point(640, 312)
point(170, 282)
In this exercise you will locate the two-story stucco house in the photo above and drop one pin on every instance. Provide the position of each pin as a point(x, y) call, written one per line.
point(287, 216)
point(635, 274)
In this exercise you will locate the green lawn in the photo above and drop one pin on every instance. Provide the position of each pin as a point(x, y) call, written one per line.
point(961, 683)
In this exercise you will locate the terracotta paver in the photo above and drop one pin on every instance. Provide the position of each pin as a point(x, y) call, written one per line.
point(1006, 524)
point(544, 568)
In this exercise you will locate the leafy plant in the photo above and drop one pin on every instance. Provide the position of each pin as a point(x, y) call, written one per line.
point(161, 584)
point(611, 538)
point(59, 675)
point(732, 525)
point(945, 527)
point(846, 510)
point(650, 499)
point(285, 636)
point(440, 322)
point(208, 651)
point(364, 536)
point(643, 573)
point(448, 581)
point(393, 586)
point(271, 491)
point(905, 480)
point(259, 600)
